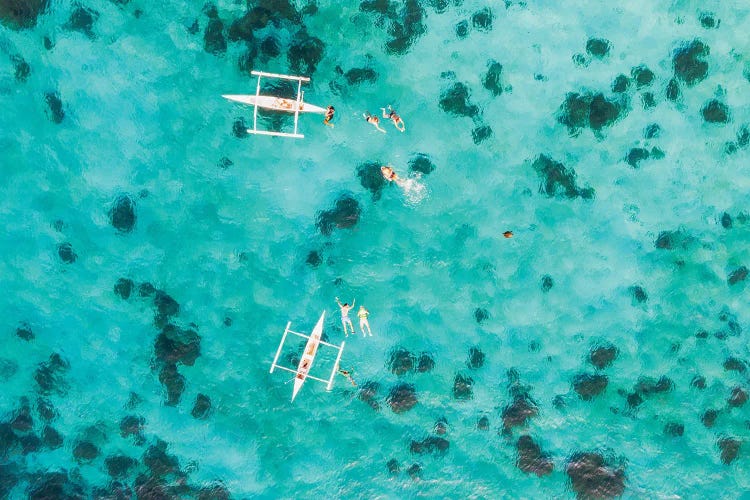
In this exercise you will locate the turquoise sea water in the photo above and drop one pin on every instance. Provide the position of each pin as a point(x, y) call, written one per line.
point(629, 245)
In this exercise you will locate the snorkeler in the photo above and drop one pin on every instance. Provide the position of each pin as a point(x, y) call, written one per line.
point(329, 116)
point(374, 120)
point(397, 121)
point(348, 376)
point(345, 307)
point(363, 314)
point(508, 234)
point(389, 174)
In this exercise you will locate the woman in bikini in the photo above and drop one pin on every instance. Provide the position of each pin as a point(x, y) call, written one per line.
point(362, 314)
point(397, 121)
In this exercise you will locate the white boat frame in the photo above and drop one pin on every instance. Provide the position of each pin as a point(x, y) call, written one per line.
point(301, 373)
point(299, 104)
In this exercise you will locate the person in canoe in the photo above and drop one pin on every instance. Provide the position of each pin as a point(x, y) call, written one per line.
point(345, 308)
point(362, 314)
point(374, 120)
point(397, 121)
point(329, 116)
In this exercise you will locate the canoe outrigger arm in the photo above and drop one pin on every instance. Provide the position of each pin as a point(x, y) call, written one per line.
point(308, 355)
point(275, 103)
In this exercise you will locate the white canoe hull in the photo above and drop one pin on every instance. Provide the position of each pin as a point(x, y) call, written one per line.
point(275, 103)
point(311, 348)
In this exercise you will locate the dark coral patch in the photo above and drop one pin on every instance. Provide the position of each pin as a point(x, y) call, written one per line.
point(481, 133)
point(118, 466)
point(371, 178)
point(636, 156)
point(23, 331)
point(393, 467)
point(483, 424)
point(476, 358)
point(122, 214)
point(401, 362)
point(480, 315)
point(638, 294)
point(737, 276)
point(175, 345)
point(674, 429)
point(699, 382)
point(406, 28)
point(547, 283)
point(598, 47)
point(22, 68)
point(482, 19)
point(425, 363)
point(402, 398)
point(132, 425)
point(66, 253)
point(368, 393)
point(709, 418)
point(159, 462)
point(455, 100)
point(589, 110)
point(492, 80)
point(166, 306)
point(688, 62)
point(21, 14)
point(421, 163)
point(669, 240)
point(82, 19)
point(345, 214)
point(202, 407)
point(737, 398)
point(171, 379)
point(730, 449)
point(51, 438)
point(620, 84)
point(433, 445)
point(55, 111)
point(715, 111)
point(462, 29)
point(305, 53)
point(124, 287)
point(602, 356)
point(587, 385)
point(643, 76)
point(673, 91)
point(531, 459)
point(726, 221)
point(649, 386)
point(559, 180)
point(519, 412)
point(735, 365)
point(592, 477)
point(85, 451)
point(356, 76)
point(652, 131)
point(49, 375)
point(462, 387)
point(313, 259)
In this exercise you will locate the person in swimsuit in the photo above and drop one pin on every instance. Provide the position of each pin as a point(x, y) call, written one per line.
point(345, 307)
point(348, 376)
point(362, 314)
point(397, 121)
point(329, 116)
point(389, 174)
point(374, 120)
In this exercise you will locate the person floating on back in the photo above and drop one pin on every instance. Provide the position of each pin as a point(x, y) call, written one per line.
point(329, 116)
point(374, 120)
point(397, 121)
point(345, 307)
point(363, 314)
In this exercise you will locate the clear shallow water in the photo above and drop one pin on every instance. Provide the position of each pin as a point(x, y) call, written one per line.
point(143, 116)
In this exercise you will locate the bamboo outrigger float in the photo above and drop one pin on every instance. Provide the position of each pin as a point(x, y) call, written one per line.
point(301, 374)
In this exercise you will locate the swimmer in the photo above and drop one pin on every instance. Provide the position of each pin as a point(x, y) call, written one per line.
point(363, 314)
point(345, 307)
point(374, 120)
point(389, 174)
point(329, 116)
point(348, 376)
point(397, 121)
point(508, 234)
